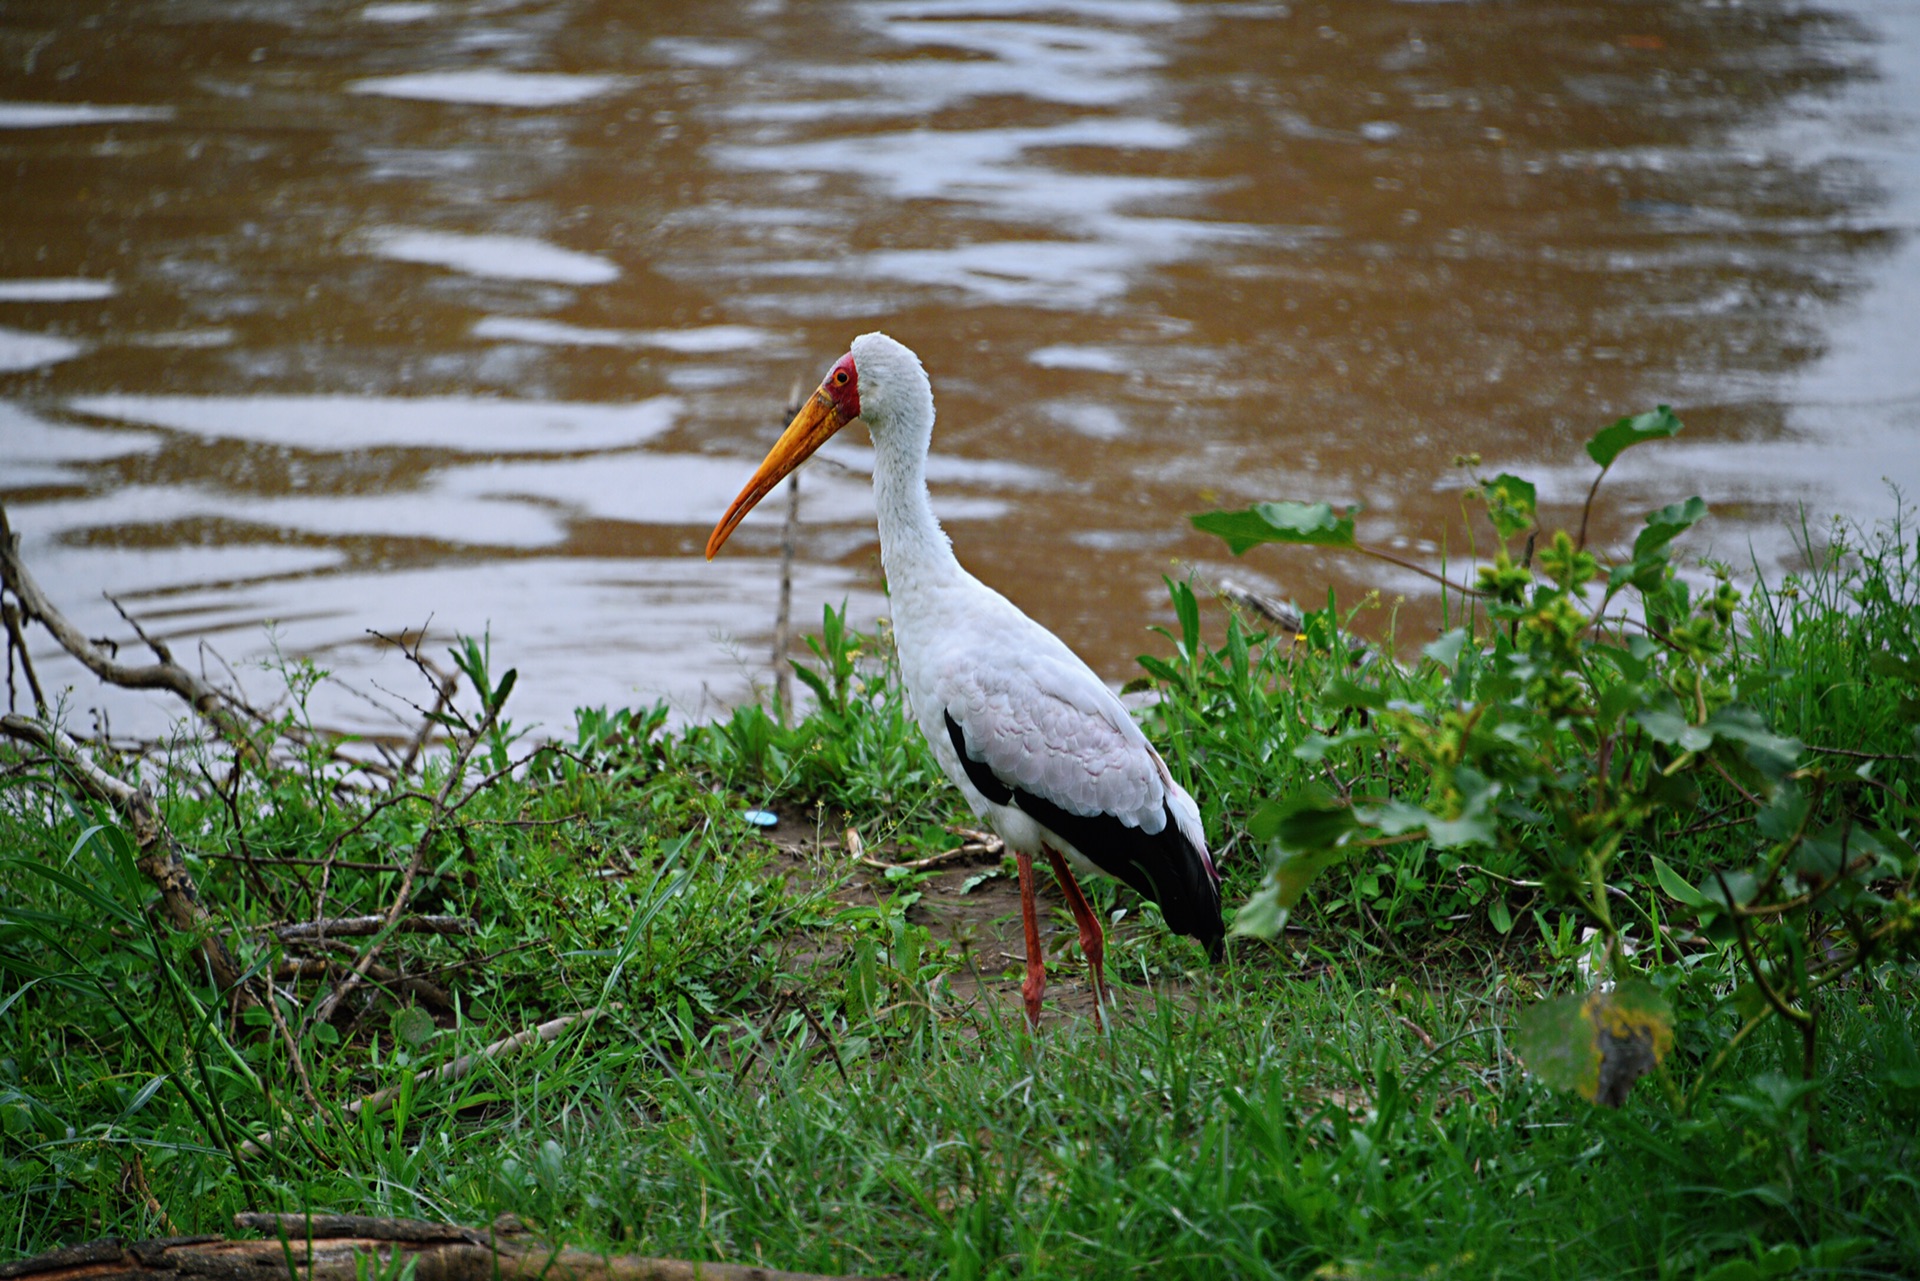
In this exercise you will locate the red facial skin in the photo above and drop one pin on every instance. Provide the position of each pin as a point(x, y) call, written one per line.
point(843, 384)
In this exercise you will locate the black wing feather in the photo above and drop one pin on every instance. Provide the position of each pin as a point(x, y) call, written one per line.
point(1162, 866)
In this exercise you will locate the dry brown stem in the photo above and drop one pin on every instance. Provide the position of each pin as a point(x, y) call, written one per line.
point(421, 989)
point(326, 1247)
point(363, 926)
point(990, 847)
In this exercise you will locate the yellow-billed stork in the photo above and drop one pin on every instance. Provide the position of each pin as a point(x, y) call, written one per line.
point(1038, 745)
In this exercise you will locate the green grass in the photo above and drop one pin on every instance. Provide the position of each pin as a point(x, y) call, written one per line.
point(780, 1075)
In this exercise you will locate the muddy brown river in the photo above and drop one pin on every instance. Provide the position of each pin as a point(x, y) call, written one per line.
point(325, 319)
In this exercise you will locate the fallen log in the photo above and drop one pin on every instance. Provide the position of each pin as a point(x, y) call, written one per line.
point(344, 1247)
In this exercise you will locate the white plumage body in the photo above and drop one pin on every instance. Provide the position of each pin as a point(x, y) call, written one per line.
point(1032, 711)
point(1027, 707)
point(1036, 742)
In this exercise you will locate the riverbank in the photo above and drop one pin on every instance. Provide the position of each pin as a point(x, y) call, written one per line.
point(796, 1044)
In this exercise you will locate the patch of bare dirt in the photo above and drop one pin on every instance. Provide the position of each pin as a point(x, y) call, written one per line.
point(971, 903)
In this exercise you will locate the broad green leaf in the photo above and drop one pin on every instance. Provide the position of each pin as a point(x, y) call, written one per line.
point(1473, 827)
point(1265, 914)
point(1188, 610)
point(1395, 817)
point(1556, 1040)
point(1599, 1044)
point(1159, 669)
point(1627, 432)
point(813, 681)
point(1309, 819)
point(1261, 916)
point(1666, 726)
point(1667, 524)
point(1730, 889)
point(1314, 747)
point(1341, 693)
point(1767, 751)
point(1314, 524)
point(1676, 886)
point(504, 688)
point(1446, 649)
point(1894, 667)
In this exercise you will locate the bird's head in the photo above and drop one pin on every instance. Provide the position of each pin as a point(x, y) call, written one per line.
point(879, 380)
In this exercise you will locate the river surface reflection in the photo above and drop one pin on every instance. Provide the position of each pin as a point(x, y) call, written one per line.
point(448, 317)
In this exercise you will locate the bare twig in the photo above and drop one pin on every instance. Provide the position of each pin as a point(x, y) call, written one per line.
point(456, 771)
point(397, 981)
point(991, 846)
point(1282, 614)
point(17, 644)
point(449, 684)
point(166, 674)
point(365, 926)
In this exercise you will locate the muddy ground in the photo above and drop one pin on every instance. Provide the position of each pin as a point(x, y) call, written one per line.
point(971, 902)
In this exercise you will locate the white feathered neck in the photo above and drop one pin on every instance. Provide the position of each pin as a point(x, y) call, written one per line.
point(896, 403)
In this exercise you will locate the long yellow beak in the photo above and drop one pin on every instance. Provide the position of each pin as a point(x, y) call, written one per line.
point(811, 428)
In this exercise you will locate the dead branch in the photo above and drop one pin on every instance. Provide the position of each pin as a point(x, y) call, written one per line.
point(363, 926)
point(163, 675)
point(328, 1247)
point(1282, 614)
point(424, 990)
point(17, 644)
point(991, 847)
point(159, 855)
point(456, 772)
point(379, 1100)
point(445, 684)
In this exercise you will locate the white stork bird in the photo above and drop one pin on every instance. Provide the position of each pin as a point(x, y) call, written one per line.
point(1037, 743)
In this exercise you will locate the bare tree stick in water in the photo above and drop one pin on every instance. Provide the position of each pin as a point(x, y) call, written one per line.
point(783, 615)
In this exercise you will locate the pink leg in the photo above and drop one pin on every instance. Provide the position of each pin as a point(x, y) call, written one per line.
point(1093, 940)
point(1036, 983)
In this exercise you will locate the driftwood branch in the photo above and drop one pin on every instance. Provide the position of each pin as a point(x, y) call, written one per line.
point(977, 844)
point(335, 927)
point(165, 674)
point(326, 1247)
point(158, 854)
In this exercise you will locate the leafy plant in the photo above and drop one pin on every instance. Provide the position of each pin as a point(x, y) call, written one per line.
point(1583, 715)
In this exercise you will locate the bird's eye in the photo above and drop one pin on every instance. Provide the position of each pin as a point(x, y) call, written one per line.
point(840, 377)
